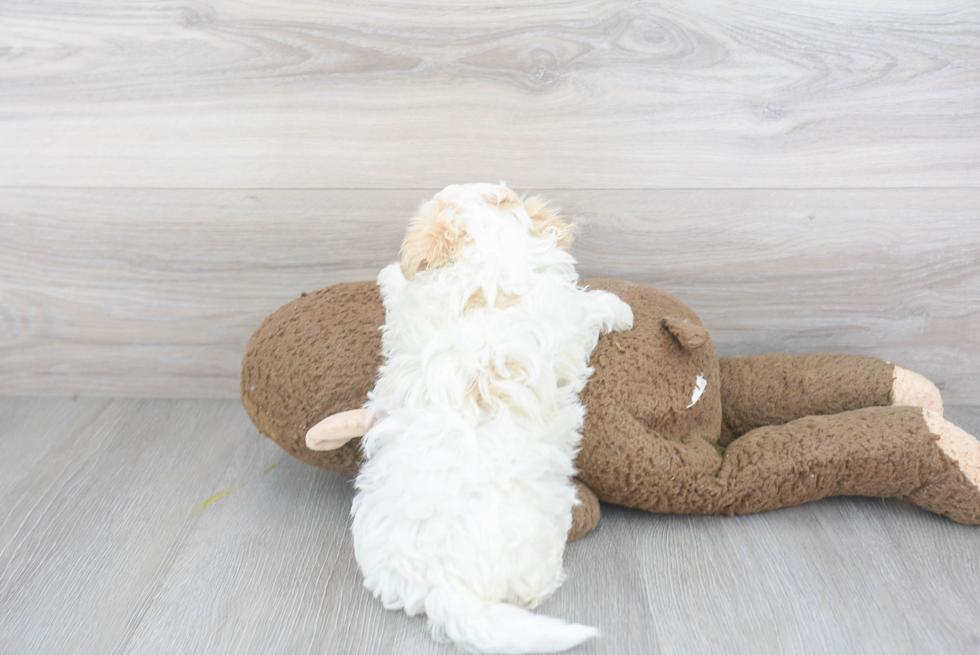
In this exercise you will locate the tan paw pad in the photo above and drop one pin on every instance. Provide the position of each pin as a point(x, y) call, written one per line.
point(957, 444)
point(910, 389)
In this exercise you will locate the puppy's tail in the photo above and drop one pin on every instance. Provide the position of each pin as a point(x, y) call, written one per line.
point(492, 627)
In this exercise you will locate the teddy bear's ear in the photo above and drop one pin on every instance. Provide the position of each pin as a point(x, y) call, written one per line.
point(433, 239)
point(337, 429)
point(690, 336)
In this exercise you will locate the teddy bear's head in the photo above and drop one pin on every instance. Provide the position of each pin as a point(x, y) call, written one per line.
point(316, 356)
point(654, 385)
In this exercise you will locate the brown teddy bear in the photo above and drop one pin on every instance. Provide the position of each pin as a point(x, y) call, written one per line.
point(670, 426)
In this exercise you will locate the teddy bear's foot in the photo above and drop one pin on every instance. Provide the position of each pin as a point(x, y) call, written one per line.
point(585, 515)
point(955, 492)
point(909, 389)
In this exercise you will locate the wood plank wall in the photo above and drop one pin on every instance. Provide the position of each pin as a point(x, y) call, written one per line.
point(806, 174)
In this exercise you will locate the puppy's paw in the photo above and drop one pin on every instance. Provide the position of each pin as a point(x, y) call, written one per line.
point(622, 316)
point(617, 315)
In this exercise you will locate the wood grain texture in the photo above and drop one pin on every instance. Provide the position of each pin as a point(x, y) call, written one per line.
point(156, 292)
point(98, 512)
point(557, 94)
point(159, 527)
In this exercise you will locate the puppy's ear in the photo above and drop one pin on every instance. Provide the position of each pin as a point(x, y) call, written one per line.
point(545, 219)
point(502, 197)
point(434, 238)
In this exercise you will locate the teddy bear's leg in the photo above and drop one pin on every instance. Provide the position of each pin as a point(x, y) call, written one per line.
point(951, 495)
point(879, 451)
point(774, 389)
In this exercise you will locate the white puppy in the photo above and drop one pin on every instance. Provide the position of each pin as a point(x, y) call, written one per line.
point(464, 500)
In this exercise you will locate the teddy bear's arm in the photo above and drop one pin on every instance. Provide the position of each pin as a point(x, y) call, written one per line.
point(775, 389)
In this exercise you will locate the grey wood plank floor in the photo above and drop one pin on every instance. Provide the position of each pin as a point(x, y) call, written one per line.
point(172, 526)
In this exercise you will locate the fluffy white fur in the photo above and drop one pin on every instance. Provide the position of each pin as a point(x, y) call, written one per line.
point(464, 500)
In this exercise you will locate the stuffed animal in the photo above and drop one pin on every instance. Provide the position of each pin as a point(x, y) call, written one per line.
point(670, 426)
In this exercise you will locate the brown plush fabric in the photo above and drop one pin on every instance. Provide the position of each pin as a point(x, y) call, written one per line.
point(585, 516)
point(314, 357)
point(776, 389)
point(948, 491)
point(767, 432)
point(637, 422)
point(877, 451)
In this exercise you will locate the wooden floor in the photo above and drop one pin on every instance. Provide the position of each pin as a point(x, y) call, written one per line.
point(172, 526)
